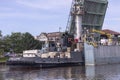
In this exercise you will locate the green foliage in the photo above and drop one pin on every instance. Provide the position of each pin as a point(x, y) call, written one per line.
point(28, 39)
point(1, 48)
point(18, 42)
point(0, 33)
point(1, 52)
point(3, 59)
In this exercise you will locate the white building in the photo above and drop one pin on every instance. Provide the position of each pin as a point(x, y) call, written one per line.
point(31, 53)
point(53, 36)
point(49, 40)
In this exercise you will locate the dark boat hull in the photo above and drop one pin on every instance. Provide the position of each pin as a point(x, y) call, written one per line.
point(75, 59)
point(46, 62)
point(41, 65)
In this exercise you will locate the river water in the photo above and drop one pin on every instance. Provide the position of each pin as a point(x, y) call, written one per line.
point(103, 72)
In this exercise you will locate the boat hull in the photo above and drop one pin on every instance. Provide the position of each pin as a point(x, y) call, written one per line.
point(41, 65)
point(46, 62)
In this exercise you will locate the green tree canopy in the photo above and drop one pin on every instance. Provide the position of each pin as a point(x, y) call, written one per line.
point(28, 39)
point(18, 42)
point(0, 33)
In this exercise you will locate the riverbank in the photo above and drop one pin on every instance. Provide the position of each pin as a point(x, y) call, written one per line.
point(3, 60)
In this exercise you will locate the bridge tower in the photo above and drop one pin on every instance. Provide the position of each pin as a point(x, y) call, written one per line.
point(92, 17)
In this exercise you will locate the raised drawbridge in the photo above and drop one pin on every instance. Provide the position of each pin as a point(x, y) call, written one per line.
point(91, 15)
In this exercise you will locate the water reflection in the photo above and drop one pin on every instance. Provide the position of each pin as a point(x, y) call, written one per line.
point(104, 72)
point(43, 74)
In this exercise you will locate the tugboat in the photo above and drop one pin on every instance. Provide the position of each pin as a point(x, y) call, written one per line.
point(44, 58)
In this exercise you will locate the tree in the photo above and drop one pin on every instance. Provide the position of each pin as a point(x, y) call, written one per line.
point(1, 44)
point(0, 33)
point(18, 42)
point(30, 43)
point(7, 43)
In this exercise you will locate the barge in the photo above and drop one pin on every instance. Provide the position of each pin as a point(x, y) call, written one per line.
point(50, 59)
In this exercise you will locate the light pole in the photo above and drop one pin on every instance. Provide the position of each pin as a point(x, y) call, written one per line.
point(60, 29)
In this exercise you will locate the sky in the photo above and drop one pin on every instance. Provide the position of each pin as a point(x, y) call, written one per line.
point(36, 16)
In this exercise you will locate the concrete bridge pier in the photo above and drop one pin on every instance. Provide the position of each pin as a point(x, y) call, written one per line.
point(101, 54)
